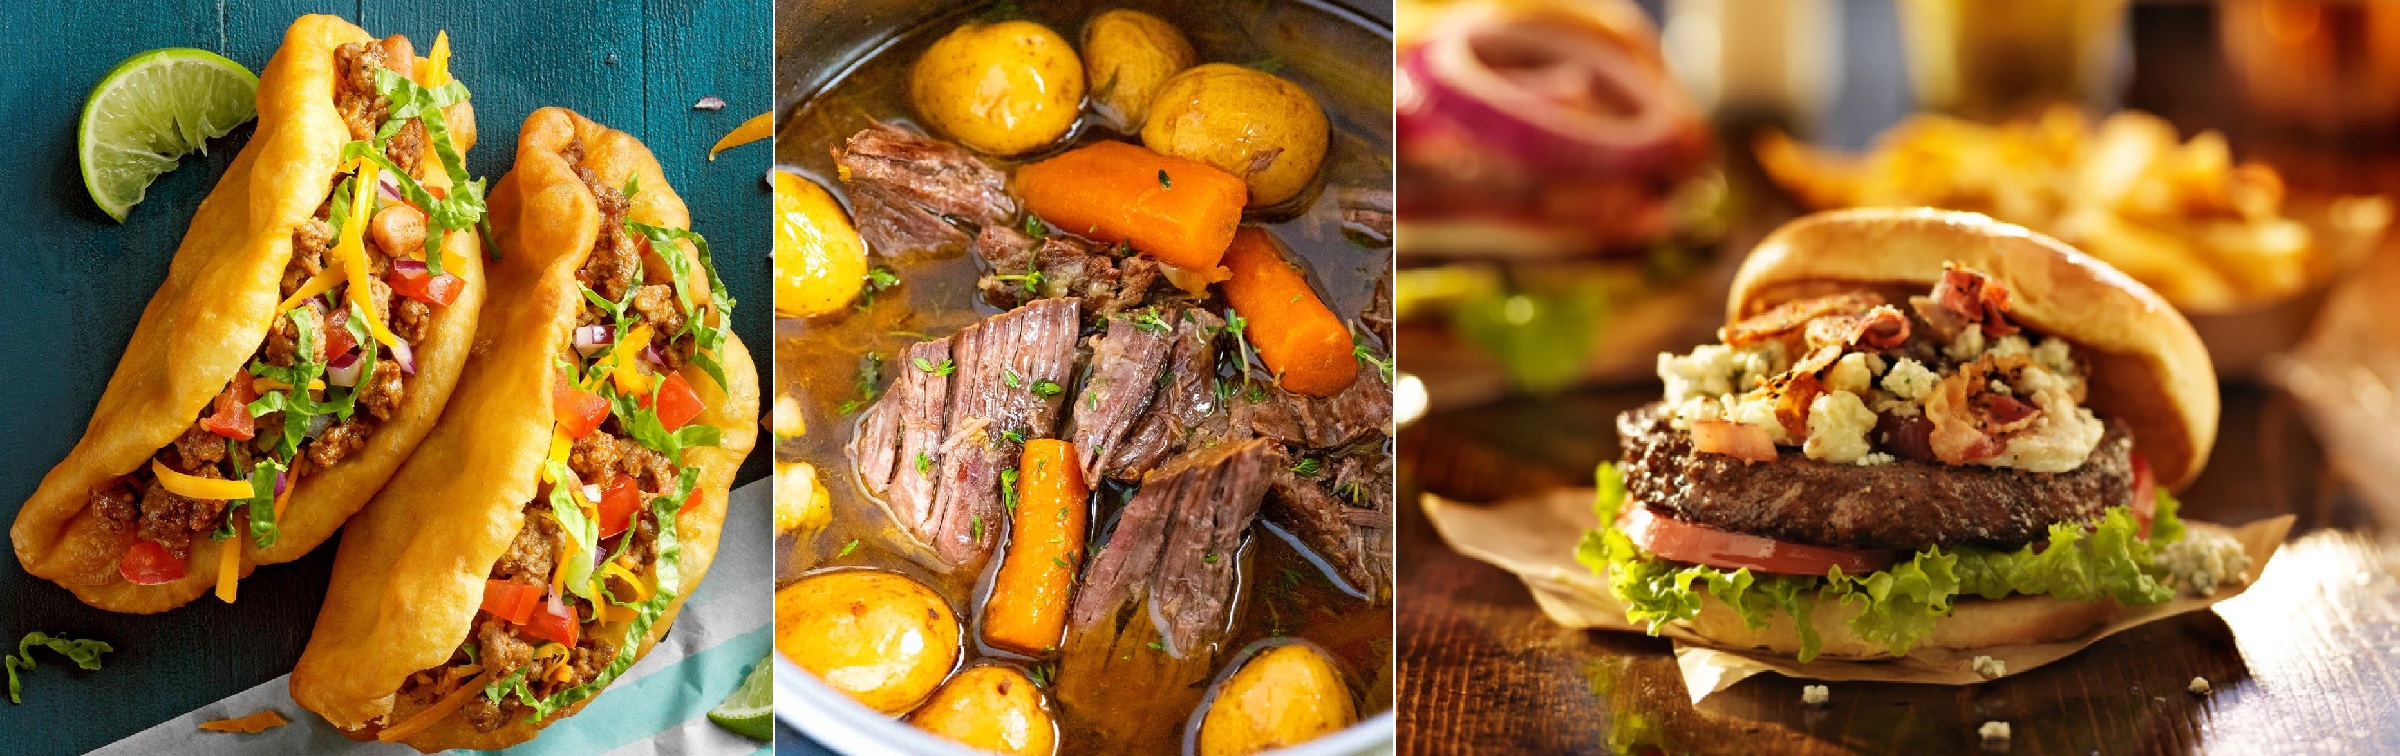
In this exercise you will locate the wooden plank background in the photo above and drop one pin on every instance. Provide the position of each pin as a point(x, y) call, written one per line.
point(72, 282)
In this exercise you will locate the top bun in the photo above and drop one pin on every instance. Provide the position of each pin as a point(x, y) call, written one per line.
point(2147, 367)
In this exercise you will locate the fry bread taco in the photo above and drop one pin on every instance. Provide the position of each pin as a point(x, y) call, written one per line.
point(548, 530)
point(309, 331)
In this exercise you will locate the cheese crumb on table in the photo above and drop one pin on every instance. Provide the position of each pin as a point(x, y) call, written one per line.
point(1815, 695)
point(1989, 667)
point(1993, 731)
point(2199, 685)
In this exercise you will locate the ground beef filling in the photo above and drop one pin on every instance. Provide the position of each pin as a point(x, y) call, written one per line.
point(614, 269)
point(137, 502)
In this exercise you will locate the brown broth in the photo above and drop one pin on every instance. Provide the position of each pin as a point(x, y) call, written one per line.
point(1338, 56)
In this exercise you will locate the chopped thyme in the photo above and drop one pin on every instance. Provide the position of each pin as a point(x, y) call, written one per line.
point(947, 367)
point(1164, 181)
point(846, 549)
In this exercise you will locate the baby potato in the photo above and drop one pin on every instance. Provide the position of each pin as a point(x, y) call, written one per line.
point(1243, 121)
point(1285, 695)
point(820, 262)
point(1003, 88)
point(991, 708)
point(1127, 56)
point(801, 502)
point(880, 637)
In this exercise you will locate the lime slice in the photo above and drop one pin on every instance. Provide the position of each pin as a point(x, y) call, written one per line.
point(751, 709)
point(149, 112)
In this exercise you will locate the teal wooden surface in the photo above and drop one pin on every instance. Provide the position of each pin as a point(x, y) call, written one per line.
point(72, 283)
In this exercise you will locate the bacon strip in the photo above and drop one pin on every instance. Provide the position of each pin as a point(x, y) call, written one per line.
point(1883, 327)
point(1794, 315)
point(1970, 421)
point(1973, 298)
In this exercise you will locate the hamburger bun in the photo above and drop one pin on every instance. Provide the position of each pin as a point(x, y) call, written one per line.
point(1972, 623)
point(2146, 366)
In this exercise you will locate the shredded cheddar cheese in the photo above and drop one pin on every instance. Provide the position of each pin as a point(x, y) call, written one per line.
point(429, 715)
point(641, 591)
point(263, 385)
point(197, 487)
point(758, 127)
point(437, 62)
point(622, 367)
point(291, 480)
point(262, 721)
point(351, 250)
point(229, 568)
point(324, 281)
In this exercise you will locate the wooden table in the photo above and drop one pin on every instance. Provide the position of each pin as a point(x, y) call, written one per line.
point(2309, 659)
point(76, 282)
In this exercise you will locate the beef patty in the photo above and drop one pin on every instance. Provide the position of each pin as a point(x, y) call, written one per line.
point(1903, 505)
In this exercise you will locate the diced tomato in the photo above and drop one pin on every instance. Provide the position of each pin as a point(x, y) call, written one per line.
point(618, 502)
point(437, 192)
point(1679, 541)
point(148, 563)
point(232, 418)
point(689, 502)
point(2145, 495)
point(677, 402)
point(579, 411)
point(553, 621)
point(338, 341)
point(511, 601)
point(415, 282)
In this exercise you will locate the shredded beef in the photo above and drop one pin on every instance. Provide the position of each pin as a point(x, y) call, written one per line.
point(1024, 269)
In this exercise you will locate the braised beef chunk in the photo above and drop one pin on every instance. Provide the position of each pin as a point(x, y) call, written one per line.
point(903, 185)
point(1319, 423)
point(1378, 315)
point(1176, 545)
point(1009, 382)
point(1127, 363)
point(1348, 525)
point(1023, 269)
point(1182, 405)
point(901, 438)
point(1367, 213)
point(1903, 505)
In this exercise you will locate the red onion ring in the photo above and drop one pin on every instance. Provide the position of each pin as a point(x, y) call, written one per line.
point(1557, 89)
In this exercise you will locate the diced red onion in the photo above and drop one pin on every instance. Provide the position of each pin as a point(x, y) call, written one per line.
point(389, 188)
point(343, 370)
point(316, 425)
point(406, 358)
point(591, 492)
point(656, 358)
point(414, 267)
point(591, 338)
point(279, 478)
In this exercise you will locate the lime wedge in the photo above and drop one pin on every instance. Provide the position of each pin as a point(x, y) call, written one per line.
point(150, 111)
point(751, 709)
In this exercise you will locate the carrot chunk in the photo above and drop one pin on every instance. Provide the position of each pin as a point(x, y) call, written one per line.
point(1179, 212)
point(1308, 348)
point(1028, 609)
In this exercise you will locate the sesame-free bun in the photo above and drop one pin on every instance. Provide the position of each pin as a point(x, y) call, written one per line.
point(2146, 366)
point(1972, 623)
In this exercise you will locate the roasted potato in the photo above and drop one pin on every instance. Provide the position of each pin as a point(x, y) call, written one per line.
point(820, 262)
point(1003, 88)
point(1127, 56)
point(880, 637)
point(1283, 696)
point(1244, 121)
point(991, 708)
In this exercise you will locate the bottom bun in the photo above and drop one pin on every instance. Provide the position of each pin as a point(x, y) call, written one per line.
point(1973, 623)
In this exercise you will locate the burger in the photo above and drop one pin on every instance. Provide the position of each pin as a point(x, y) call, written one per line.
point(1918, 429)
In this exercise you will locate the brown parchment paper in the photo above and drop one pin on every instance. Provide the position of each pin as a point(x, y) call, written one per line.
point(1534, 538)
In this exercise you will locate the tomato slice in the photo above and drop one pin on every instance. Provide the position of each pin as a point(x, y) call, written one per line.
point(553, 620)
point(148, 563)
point(677, 402)
point(618, 502)
point(511, 601)
point(579, 411)
point(232, 418)
point(415, 282)
point(2145, 495)
point(1680, 541)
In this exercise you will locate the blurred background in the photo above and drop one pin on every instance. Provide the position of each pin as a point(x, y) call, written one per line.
point(1578, 179)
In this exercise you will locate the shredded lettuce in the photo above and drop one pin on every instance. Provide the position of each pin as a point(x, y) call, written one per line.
point(1897, 605)
point(464, 207)
point(581, 530)
point(84, 653)
point(710, 337)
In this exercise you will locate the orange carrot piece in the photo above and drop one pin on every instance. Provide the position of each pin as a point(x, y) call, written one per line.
point(1300, 340)
point(262, 721)
point(1179, 212)
point(1028, 609)
point(431, 715)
